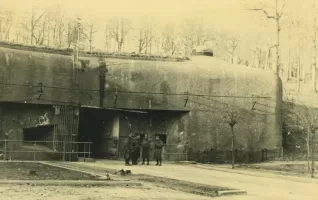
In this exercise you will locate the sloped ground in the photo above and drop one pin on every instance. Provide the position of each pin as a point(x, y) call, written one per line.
point(305, 96)
point(259, 185)
point(162, 182)
point(21, 171)
point(299, 168)
point(92, 193)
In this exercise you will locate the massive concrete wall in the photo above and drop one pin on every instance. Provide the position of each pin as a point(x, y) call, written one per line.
point(260, 127)
point(14, 118)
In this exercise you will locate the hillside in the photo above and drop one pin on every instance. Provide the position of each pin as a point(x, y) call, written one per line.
point(304, 97)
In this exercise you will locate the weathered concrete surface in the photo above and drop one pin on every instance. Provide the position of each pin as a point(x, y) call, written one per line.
point(15, 117)
point(200, 76)
point(260, 187)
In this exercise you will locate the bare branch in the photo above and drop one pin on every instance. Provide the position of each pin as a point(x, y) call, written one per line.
point(264, 11)
point(24, 26)
point(282, 11)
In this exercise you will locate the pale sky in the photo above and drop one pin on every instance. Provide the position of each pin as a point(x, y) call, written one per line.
point(223, 15)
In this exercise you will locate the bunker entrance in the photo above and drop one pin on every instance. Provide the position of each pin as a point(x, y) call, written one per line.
point(108, 129)
point(170, 126)
point(97, 126)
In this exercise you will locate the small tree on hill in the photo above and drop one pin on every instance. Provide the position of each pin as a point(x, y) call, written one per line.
point(308, 120)
point(230, 117)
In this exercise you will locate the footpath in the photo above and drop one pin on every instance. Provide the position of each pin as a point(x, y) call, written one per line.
point(259, 185)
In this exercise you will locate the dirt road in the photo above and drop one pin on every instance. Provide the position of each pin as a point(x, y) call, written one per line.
point(258, 187)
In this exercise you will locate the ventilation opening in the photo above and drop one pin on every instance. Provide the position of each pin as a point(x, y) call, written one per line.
point(40, 133)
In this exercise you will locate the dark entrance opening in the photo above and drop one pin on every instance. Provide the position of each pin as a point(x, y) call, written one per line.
point(37, 139)
point(38, 133)
point(96, 126)
point(109, 128)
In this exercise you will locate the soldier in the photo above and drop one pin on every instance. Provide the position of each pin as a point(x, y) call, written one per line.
point(145, 150)
point(128, 149)
point(158, 150)
point(135, 149)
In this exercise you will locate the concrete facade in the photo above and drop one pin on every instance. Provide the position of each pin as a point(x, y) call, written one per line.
point(153, 86)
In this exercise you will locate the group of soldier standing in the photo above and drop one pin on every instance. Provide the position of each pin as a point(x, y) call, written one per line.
point(135, 145)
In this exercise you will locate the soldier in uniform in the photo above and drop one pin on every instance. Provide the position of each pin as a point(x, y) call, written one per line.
point(135, 149)
point(128, 148)
point(158, 150)
point(145, 150)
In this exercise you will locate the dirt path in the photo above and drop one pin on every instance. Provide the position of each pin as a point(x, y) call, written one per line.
point(258, 187)
point(94, 193)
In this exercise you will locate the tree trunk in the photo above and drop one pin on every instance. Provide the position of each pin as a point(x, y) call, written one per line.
point(313, 155)
point(31, 34)
point(268, 59)
point(308, 150)
point(288, 67)
point(278, 70)
point(232, 58)
point(313, 68)
point(298, 74)
point(0, 29)
point(233, 144)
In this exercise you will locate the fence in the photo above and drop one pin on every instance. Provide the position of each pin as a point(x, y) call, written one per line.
point(44, 150)
point(175, 152)
point(241, 156)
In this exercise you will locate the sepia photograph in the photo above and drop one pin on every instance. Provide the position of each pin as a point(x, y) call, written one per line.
point(158, 100)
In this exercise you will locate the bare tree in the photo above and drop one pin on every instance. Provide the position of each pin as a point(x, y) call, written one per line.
point(230, 45)
point(71, 31)
point(307, 119)
point(141, 40)
point(314, 63)
point(33, 25)
point(170, 42)
point(60, 32)
point(194, 33)
point(6, 21)
point(91, 32)
point(259, 56)
point(119, 29)
point(40, 33)
point(108, 37)
point(277, 18)
point(75, 33)
point(269, 57)
point(145, 38)
point(231, 117)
